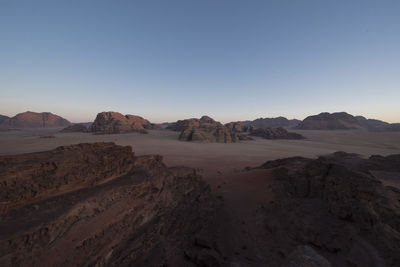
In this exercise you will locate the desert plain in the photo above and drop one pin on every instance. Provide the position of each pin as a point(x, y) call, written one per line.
point(222, 166)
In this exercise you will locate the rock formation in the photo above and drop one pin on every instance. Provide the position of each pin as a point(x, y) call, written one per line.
point(35, 120)
point(273, 123)
point(244, 126)
point(328, 121)
point(3, 118)
point(115, 123)
point(306, 256)
point(337, 204)
point(277, 133)
point(239, 127)
point(393, 127)
point(204, 129)
point(99, 205)
point(80, 128)
point(344, 121)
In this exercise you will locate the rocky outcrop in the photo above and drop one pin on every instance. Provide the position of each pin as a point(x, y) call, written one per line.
point(277, 133)
point(99, 205)
point(182, 125)
point(31, 177)
point(245, 126)
point(35, 120)
point(75, 128)
point(306, 256)
point(115, 123)
point(204, 130)
point(337, 205)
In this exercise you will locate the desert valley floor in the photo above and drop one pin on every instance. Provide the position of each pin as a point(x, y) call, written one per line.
point(211, 156)
point(216, 161)
point(221, 165)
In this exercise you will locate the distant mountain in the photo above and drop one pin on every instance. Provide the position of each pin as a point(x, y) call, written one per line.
point(330, 121)
point(345, 121)
point(372, 125)
point(114, 123)
point(265, 123)
point(3, 118)
point(35, 120)
point(273, 123)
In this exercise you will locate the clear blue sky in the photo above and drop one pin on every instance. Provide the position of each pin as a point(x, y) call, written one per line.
point(232, 60)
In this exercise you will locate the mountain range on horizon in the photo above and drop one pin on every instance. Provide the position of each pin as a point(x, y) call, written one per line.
point(322, 121)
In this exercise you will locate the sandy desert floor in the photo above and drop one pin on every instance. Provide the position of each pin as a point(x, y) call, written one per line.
point(211, 155)
point(220, 165)
point(218, 162)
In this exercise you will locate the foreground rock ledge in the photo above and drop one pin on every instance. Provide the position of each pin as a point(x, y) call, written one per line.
point(98, 204)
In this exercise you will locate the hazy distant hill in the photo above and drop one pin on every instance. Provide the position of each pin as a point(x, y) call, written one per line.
point(344, 121)
point(3, 118)
point(273, 123)
point(35, 120)
point(269, 123)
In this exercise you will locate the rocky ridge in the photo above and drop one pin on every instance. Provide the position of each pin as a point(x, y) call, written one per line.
point(99, 205)
point(338, 205)
point(344, 121)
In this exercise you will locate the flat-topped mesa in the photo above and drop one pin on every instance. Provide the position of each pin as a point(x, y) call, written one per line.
point(115, 122)
point(204, 129)
point(35, 120)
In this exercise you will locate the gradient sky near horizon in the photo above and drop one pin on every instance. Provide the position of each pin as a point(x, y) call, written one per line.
point(231, 60)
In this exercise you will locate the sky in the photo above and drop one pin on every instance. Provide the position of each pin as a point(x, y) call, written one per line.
point(232, 60)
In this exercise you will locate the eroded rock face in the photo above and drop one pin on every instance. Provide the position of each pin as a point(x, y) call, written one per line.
point(205, 130)
point(35, 120)
point(336, 205)
point(182, 125)
point(75, 128)
point(239, 127)
point(115, 123)
point(306, 256)
point(30, 177)
point(275, 133)
point(102, 206)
